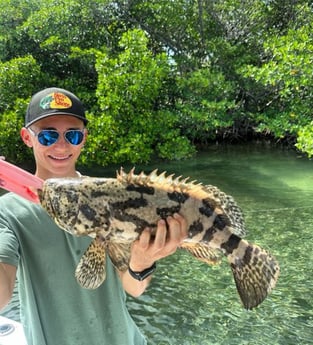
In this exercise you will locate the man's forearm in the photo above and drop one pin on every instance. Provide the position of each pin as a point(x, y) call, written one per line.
point(132, 286)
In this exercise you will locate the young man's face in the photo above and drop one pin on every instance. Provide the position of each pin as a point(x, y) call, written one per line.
point(58, 159)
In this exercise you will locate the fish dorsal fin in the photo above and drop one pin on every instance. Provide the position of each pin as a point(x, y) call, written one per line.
point(119, 254)
point(91, 269)
point(203, 253)
point(161, 181)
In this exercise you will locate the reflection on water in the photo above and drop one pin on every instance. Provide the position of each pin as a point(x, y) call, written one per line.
point(189, 303)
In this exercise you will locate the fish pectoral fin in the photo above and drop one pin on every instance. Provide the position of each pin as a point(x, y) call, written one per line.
point(91, 269)
point(119, 254)
point(203, 253)
point(255, 272)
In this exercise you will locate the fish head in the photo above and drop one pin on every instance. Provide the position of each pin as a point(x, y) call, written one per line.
point(69, 202)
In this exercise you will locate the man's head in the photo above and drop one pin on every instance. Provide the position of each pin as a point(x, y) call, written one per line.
point(55, 129)
point(54, 101)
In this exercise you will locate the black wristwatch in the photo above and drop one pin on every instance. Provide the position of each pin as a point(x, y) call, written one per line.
point(143, 274)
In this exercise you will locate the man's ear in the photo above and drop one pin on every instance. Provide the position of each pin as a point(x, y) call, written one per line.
point(25, 135)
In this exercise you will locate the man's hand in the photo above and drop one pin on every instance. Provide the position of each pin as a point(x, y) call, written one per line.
point(148, 249)
point(168, 237)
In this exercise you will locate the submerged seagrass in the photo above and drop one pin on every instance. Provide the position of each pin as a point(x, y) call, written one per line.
point(116, 210)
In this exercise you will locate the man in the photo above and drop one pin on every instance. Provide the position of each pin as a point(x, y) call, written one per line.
point(54, 308)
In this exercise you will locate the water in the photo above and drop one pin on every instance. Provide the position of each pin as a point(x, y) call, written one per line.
point(190, 303)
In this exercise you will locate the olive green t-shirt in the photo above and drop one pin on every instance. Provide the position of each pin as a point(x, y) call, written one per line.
point(54, 308)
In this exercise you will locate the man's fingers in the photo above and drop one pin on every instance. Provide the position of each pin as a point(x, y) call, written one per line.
point(169, 234)
point(174, 226)
point(145, 237)
point(178, 227)
point(161, 233)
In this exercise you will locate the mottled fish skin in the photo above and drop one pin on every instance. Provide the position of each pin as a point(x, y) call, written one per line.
point(116, 210)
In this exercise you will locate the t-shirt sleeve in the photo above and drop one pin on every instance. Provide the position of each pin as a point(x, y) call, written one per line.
point(9, 246)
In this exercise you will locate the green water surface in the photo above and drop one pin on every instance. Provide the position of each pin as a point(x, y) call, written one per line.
point(189, 303)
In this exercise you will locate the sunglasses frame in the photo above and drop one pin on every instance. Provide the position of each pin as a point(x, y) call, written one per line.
point(32, 132)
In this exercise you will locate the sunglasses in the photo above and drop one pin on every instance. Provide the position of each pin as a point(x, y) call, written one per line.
point(48, 137)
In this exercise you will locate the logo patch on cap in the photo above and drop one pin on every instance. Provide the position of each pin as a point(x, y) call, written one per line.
point(55, 100)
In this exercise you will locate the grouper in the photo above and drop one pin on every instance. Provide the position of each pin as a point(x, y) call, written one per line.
point(115, 211)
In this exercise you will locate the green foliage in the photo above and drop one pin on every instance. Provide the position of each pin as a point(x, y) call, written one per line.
point(171, 144)
point(159, 77)
point(287, 78)
point(74, 22)
point(17, 78)
point(206, 104)
point(11, 145)
point(128, 95)
point(13, 42)
point(305, 139)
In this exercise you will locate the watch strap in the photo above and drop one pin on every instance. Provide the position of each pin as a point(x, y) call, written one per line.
point(143, 274)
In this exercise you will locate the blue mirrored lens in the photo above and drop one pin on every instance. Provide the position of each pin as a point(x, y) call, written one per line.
point(74, 137)
point(48, 137)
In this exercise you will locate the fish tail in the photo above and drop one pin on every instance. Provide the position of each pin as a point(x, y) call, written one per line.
point(91, 270)
point(255, 272)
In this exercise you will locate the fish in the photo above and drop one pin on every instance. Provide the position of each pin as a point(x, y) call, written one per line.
point(115, 211)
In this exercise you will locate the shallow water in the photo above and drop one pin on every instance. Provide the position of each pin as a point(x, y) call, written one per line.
point(190, 303)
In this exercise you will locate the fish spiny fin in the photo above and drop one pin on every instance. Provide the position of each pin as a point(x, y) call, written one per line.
point(160, 180)
point(201, 252)
point(119, 254)
point(255, 272)
point(91, 270)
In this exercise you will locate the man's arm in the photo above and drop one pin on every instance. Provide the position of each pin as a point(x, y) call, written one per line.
point(7, 282)
point(146, 251)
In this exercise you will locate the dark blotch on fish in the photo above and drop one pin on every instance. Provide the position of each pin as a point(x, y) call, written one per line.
point(231, 244)
point(130, 203)
point(140, 189)
point(167, 211)
point(178, 197)
point(221, 221)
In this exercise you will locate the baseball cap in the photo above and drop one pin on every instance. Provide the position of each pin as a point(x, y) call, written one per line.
point(54, 101)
